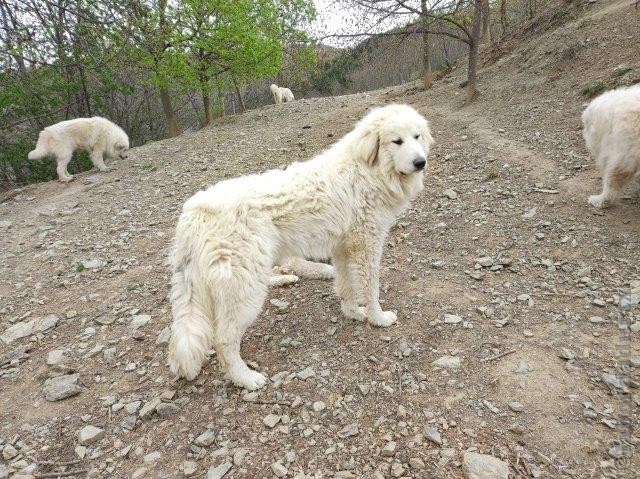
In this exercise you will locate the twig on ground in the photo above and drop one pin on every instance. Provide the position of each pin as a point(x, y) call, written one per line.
point(60, 474)
point(498, 356)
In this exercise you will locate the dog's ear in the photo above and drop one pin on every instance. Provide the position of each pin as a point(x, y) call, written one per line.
point(426, 138)
point(368, 145)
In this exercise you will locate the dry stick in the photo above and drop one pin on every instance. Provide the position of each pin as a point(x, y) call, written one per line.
point(61, 474)
point(393, 340)
point(59, 464)
point(498, 356)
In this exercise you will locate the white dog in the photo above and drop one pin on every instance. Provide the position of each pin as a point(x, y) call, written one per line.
point(340, 204)
point(612, 133)
point(98, 136)
point(281, 94)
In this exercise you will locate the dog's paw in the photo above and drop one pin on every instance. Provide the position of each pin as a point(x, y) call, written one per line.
point(249, 380)
point(597, 201)
point(104, 169)
point(384, 319)
point(353, 312)
point(67, 179)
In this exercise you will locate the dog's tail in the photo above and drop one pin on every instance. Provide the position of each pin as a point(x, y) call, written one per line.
point(42, 147)
point(192, 328)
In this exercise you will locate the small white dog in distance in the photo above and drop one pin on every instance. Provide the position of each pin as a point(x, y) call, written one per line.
point(98, 136)
point(281, 94)
point(338, 205)
point(612, 133)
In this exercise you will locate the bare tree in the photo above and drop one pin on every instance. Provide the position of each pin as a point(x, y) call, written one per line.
point(457, 19)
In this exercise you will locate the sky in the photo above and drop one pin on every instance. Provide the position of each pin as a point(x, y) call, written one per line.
point(333, 17)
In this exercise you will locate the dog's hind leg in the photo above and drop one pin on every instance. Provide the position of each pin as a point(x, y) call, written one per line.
point(613, 182)
point(63, 159)
point(310, 269)
point(237, 307)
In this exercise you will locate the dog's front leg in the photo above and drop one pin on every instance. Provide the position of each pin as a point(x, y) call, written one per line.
point(364, 252)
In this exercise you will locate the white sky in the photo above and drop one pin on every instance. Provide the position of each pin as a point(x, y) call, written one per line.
point(333, 17)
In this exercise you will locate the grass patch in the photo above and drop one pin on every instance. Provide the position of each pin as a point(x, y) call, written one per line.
point(79, 268)
point(593, 89)
point(621, 71)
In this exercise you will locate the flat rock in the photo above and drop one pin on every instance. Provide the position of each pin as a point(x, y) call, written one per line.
point(482, 466)
point(189, 468)
point(389, 449)
point(271, 420)
point(432, 434)
point(612, 381)
point(93, 263)
point(149, 408)
point(24, 329)
point(163, 337)
point(451, 194)
point(306, 373)
point(279, 470)
point(450, 362)
point(349, 430)
point(90, 434)
point(205, 439)
point(452, 319)
point(218, 472)
point(139, 321)
point(61, 387)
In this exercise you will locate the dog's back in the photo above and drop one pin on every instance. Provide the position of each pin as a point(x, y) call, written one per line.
point(612, 126)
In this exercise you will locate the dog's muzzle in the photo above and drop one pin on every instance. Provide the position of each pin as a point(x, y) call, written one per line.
point(419, 163)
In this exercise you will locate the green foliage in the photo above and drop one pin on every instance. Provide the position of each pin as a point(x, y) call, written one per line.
point(593, 89)
point(16, 169)
point(621, 71)
point(334, 72)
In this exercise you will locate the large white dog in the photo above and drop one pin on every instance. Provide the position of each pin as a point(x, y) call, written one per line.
point(339, 205)
point(281, 94)
point(98, 136)
point(612, 133)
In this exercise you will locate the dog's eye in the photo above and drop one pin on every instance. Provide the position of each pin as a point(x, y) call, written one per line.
point(417, 136)
point(398, 141)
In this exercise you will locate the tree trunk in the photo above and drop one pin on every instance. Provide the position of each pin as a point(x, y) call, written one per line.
point(486, 21)
point(240, 100)
point(426, 49)
point(503, 16)
point(206, 102)
point(472, 72)
point(172, 123)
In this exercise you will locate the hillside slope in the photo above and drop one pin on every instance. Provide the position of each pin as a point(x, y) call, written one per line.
point(541, 321)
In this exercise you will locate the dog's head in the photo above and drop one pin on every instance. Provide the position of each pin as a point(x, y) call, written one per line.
point(396, 137)
point(120, 146)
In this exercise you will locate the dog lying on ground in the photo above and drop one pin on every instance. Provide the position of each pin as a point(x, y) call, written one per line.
point(612, 133)
point(98, 136)
point(281, 94)
point(338, 205)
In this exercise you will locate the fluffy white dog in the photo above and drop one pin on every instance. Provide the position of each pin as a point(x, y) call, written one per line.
point(612, 133)
point(281, 94)
point(338, 205)
point(98, 136)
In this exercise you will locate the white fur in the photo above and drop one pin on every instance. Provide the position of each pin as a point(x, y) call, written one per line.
point(100, 137)
point(612, 133)
point(338, 205)
point(281, 94)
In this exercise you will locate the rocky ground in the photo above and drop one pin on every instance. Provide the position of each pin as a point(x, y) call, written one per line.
point(517, 343)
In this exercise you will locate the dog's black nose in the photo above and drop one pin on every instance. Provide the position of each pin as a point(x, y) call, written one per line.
point(419, 163)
